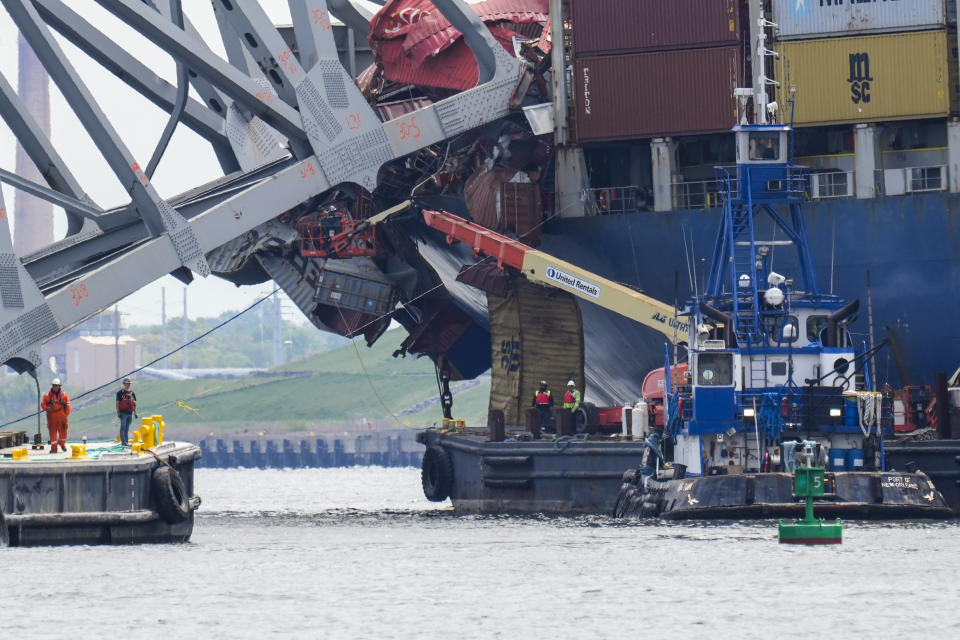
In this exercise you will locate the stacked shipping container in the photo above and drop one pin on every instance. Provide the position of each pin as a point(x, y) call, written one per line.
point(907, 70)
point(647, 68)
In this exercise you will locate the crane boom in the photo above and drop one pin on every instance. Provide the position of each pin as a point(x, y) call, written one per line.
point(545, 269)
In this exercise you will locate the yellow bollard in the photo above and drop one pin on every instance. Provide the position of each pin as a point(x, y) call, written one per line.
point(147, 433)
point(135, 447)
point(160, 426)
point(78, 452)
point(20, 453)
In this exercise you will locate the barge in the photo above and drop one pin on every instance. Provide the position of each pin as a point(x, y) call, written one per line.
point(522, 475)
point(96, 493)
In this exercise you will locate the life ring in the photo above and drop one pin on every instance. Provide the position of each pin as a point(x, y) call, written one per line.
point(170, 495)
point(436, 474)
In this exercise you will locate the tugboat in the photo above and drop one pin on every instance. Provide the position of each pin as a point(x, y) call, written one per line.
point(98, 492)
point(773, 380)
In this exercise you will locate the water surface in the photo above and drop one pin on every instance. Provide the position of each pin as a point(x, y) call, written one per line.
point(359, 553)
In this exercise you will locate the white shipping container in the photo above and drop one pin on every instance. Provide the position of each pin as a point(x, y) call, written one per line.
point(819, 18)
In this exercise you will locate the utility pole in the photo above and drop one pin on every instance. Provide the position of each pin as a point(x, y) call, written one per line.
point(163, 326)
point(186, 331)
point(116, 341)
point(277, 332)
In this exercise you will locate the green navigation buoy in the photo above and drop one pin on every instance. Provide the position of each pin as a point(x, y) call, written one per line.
point(808, 483)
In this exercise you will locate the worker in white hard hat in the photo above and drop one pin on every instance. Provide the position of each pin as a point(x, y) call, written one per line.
point(571, 397)
point(56, 403)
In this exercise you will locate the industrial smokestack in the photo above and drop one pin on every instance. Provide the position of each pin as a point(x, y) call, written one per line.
point(33, 217)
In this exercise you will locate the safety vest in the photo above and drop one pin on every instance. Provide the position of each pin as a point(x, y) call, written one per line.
point(543, 397)
point(56, 402)
point(127, 404)
point(571, 400)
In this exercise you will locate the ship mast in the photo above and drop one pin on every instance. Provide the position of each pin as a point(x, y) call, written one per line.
point(764, 111)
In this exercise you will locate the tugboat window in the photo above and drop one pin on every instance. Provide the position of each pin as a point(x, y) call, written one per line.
point(715, 369)
point(764, 146)
point(815, 325)
point(776, 325)
point(778, 368)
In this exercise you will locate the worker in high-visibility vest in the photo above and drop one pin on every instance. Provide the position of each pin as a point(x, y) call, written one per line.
point(543, 401)
point(56, 403)
point(571, 397)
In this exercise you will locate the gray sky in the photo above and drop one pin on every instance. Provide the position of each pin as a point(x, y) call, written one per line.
point(187, 163)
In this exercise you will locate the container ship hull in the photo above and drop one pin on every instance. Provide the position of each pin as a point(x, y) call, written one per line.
point(908, 244)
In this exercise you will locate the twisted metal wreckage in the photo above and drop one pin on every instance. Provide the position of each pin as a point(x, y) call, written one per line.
point(308, 154)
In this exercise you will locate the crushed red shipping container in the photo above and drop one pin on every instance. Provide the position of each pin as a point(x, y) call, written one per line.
point(415, 44)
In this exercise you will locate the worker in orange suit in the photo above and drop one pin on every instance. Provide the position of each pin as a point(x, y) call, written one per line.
point(56, 403)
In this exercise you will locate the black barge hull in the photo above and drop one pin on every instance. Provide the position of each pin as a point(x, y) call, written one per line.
point(563, 476)
point(854, 495)
point(939, 459)
point(113, 500)
point(586, 477)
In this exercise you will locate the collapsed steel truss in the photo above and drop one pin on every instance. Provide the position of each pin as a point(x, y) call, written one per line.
point(285, 126)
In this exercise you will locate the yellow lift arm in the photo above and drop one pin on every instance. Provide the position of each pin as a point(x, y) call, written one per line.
point(543, 268)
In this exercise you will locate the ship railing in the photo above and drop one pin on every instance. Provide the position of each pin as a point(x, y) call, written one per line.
point(831, 184)
point(695, 194)
point(611, 200)
point(813, 408)
point(793, 184)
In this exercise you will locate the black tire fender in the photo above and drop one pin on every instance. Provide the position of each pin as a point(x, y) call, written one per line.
point(4, 532)
point(586, 419)
point(170, 495)
point(436, 474)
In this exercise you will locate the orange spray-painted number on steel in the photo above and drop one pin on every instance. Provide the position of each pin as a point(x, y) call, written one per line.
point(409, 129)
point(353, 121)
point(79, 293)
point(288, 61)
point(307, 171)
point(141, 176)
point(321, 18)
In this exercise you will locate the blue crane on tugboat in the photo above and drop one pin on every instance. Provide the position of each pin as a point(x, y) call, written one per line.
point(774, 380)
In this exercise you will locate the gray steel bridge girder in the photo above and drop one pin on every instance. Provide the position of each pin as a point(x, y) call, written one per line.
point(355, 157)
point(25, 318)
point(40, 150)
point(266, 47)
point(195, 54)
point(156, 213)
point(142, 265)
point(205, 122)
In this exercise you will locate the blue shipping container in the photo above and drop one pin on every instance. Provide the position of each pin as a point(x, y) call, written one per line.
point(813, 19)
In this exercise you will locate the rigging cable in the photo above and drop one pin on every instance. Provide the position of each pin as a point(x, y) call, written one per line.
point(155, 360)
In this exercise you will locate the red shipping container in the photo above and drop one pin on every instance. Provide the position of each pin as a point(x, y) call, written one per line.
point(624, 26)
point(656, 94)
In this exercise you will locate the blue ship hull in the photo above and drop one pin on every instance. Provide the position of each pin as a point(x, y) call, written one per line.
point(909, 244)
